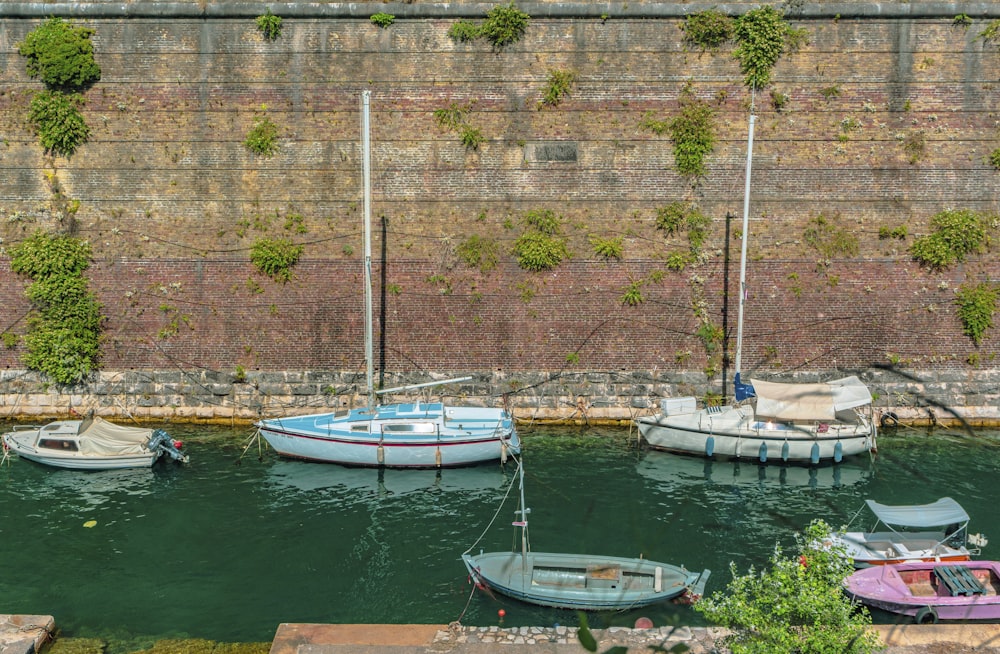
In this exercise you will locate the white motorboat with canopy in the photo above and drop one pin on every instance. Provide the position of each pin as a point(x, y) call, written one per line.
point(401, 435)
point(92, 444)
point(938, 531)
point(770, 421)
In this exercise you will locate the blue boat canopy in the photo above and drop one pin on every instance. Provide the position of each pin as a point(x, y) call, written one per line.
point(945, 511)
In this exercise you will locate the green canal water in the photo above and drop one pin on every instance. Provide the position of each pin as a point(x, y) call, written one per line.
point(226, 549)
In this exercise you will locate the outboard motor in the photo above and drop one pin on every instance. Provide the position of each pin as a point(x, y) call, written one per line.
point(161, 441)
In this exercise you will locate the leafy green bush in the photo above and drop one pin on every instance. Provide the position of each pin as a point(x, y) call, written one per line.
point(995, 159)
point(455, 117)
point(60, 54)
point(609, 248)
point(262, 139)
point(537, 251)
point(633, 294)
point(58, 122)
point(692, 133)
point(957, 233)
point(479, 252)
point(991, 34)
point(504, 24)
point(762, 36)
point(797, 606)
point(559, 85)
point(464, 31)
point(652, 123)
point(678, 216)
point(382, 19)
point(472, 137)
point(543, 220)
point(275, 257)
point(708, 30)
point(269, 25)
point(976, 306)
point(64, 329)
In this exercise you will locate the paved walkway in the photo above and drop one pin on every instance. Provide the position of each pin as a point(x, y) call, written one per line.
point(457, 639)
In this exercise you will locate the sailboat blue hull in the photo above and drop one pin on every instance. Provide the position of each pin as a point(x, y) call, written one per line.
point(397, 436)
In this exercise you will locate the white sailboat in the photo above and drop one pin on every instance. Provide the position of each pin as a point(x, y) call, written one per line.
point(788, 422)
point(402, 435)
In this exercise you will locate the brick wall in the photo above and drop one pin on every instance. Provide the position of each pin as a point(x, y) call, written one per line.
point(171, 200)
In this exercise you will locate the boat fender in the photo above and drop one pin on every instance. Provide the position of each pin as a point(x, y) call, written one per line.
point(503, 453)
point(785, 451)
point(437, 457)
point(814, 454)
point(926, 615)
point(889, 420)
point(838, 452)
point(380, 454)
point(709, 445)
point(762, 453)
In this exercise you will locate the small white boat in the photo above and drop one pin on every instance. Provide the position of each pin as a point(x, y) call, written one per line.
point(91, 444)
point(933, 532)
point(585, 582)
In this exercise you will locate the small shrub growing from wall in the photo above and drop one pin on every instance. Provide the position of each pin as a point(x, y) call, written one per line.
point(762, 35)
point(60, 54)
point(269, 25)
point(708, 30)
point(382, 19)
point(976, 306)
point(692, 133)
point(504, 24)
point(275, 257)
point(541, 247)
point(262, 139)
point(56, 119)
point(957, 233)
point(479, 252)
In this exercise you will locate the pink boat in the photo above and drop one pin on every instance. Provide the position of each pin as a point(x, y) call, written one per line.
point(931, 590)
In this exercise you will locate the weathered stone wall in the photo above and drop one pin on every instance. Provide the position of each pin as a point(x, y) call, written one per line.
point(171, 200)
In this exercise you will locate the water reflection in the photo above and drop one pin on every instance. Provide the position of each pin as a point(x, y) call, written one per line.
point(325, 482)
point(672, 471)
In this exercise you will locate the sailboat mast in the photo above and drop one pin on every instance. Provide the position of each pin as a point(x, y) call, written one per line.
point(743, 255)
point(366, 174)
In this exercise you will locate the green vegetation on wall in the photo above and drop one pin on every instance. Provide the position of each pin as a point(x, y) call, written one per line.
point(61, 55)
point(269, 25)
point(541, 246)
point(382, 19)
point(262, 139)
point(504, 24)
point(976, 306)
point(57, 121)
point(558, 87)
point(693, 134)
point(708, 30)
point(64, 328)
point(830, 238)
point(275, 257)
point(957, 233)
point(455, 117)
point(479, 252)
point(762, 35)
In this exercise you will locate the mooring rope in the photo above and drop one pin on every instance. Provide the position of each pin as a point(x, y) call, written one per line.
point(499, 508)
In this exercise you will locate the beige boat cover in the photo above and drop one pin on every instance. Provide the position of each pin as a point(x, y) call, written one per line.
point(101, 437)
point(787, 402)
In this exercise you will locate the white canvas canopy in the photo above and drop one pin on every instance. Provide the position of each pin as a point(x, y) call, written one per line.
point(106, 438)
point(945, 511)
point(819, 401)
